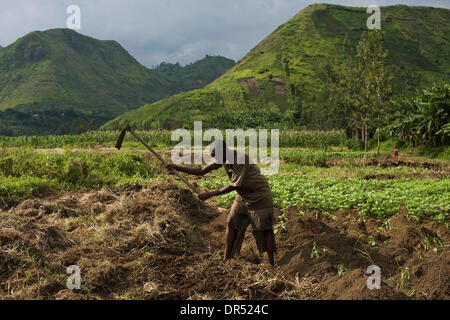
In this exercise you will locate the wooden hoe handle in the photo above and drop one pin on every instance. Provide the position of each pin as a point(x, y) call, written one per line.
point(156, 154)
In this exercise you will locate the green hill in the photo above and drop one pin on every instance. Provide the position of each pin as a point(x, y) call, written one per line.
point(290, 63)
point(195, 75)
point(60, 80)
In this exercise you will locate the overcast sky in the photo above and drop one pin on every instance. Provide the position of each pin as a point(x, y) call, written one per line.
point(168, 30)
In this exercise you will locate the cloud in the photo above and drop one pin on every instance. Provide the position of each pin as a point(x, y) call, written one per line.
point(167, 30)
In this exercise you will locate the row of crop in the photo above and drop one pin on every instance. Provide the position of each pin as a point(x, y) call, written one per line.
point(381, 198)
point(96, 138)
point(321, 158)
point(287, 138)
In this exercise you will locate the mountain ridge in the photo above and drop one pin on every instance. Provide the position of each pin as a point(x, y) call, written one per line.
point(50, 78)
point(289, 65)
point(197, 74)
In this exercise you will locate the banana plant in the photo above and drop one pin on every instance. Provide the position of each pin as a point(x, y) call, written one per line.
point(424, 120)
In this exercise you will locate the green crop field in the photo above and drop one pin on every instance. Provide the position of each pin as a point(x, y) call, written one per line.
point(311, 174)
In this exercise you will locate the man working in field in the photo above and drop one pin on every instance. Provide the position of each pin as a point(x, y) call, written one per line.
point(253, 204)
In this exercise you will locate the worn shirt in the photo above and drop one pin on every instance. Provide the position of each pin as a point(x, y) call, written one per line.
point(250, 184)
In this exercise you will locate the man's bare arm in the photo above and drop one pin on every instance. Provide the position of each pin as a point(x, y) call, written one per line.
point(194, 171)
point(221, 191)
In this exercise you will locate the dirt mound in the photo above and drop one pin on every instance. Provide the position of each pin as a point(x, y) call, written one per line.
point(160, 242)
point(340, 247)
point(112, 235)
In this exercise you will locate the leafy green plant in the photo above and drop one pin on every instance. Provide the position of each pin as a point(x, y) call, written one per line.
point(387, 226)
point(372, 242)
point(405, 278)
point(425, 244)
point(315, 252)
point(282, 223)
point(341, 270)
point(424, 120)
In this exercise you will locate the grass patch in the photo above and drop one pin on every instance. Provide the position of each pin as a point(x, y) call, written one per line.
point(15, 189)
point(24, 173)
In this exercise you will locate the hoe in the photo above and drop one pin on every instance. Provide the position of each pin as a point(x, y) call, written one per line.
point(156, 154)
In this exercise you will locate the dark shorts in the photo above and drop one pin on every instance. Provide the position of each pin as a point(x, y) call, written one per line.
point(261, 219)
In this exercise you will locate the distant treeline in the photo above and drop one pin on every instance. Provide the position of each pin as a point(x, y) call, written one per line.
point(45, 119)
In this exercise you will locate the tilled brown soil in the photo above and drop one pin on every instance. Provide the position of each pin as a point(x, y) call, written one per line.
point(392, 162)
point(160, 242)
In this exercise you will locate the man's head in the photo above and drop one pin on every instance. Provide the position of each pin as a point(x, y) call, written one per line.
point(218, 150)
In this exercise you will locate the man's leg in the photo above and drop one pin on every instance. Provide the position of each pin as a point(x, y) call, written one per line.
point(241, 225)
point(270, 245)
point(230, 239)
point(232, 224)
point(262, 223)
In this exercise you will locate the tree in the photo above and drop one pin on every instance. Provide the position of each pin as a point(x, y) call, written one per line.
point(361, 86)
point(79, 126)
point(343, 86)
point(375, 90)
point(63, 129)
